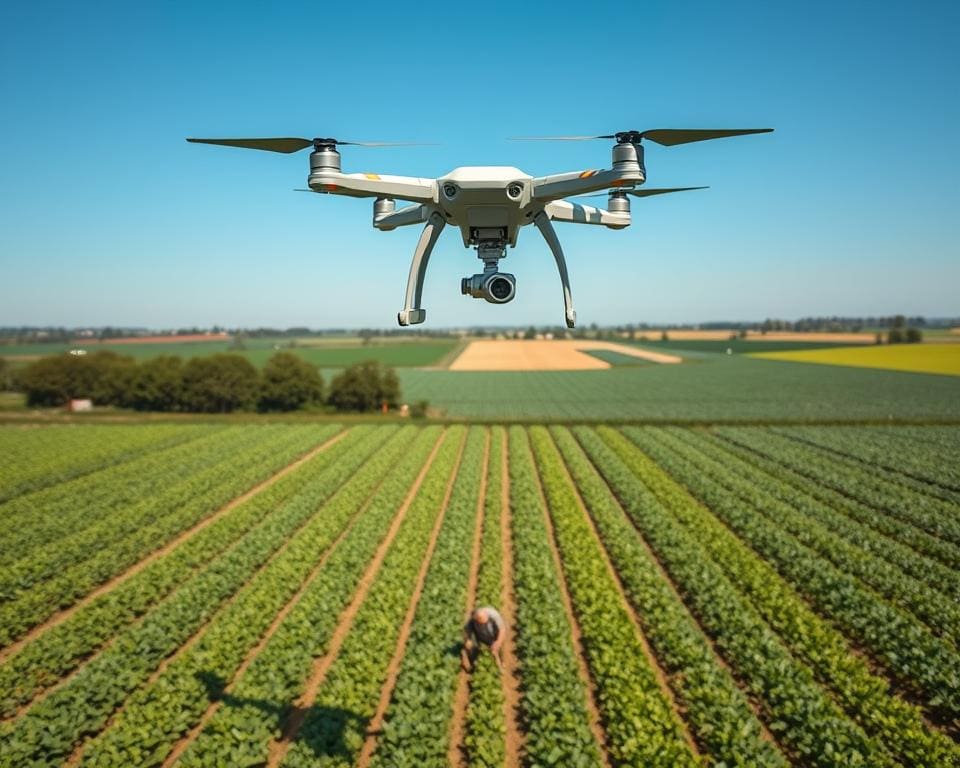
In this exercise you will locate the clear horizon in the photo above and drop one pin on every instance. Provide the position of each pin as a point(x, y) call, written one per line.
point(111, 218)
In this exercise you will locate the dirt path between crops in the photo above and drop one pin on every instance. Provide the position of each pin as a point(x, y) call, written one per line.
point(511, 666)
point(593, 711)
point(321, 665)
point(652, 661)
point(187, 645)
point(375, 726)
point(166, 549)
point(456, 755)
point(181, 746)
point(753, 703)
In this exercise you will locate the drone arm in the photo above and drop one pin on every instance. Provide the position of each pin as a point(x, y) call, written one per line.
point(573, 213)
point(412, 214)
point(560, 185)
point(542, 220)
point(410, 188)
point(411, 313)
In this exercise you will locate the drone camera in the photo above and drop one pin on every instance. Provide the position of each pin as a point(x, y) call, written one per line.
point(514, 191)
point(494, 287)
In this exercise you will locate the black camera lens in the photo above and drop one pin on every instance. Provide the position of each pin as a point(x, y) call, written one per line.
point(500, 288)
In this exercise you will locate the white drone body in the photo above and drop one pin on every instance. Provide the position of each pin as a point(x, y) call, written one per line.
point(489, 204)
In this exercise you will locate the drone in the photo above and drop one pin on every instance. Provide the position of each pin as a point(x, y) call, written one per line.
point(490, 203)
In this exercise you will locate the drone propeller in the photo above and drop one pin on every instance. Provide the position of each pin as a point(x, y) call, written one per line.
point(648, 192)
point(288, 145)
point(668, 137)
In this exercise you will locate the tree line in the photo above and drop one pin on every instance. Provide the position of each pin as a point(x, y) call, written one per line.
point(218, 383)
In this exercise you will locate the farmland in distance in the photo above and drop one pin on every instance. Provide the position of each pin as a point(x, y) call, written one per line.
point(293, 594)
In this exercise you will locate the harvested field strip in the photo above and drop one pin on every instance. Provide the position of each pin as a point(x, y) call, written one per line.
point(261, 699)
point(722, 719)
point(901, 730)
point(904, 646)
point(428, 678)
point(555, 699)
point(934, 516)
point(61, 648)
point(944, 558)
point(169, 515)
point(97, 689)
point(189, 690)
point(33, 459)
point(337, 720)
point(52, 514)
point(921, 470)
point(882, 564)
point(640, 724)
point(798, 712)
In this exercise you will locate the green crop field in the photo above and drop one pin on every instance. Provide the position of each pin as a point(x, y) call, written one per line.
point(222, 594)
point(707, 387)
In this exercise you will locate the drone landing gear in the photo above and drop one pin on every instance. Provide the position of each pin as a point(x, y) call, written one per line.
point(412, 314)
point(542, 220)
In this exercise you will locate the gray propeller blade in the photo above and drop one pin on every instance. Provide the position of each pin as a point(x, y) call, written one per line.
point(668, 137)
point(288, 145)
point(648, 192)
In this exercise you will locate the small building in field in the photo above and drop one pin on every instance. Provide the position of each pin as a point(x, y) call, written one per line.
point(80, 405)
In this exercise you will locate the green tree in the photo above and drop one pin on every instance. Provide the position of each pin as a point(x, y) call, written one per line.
point(895, 336)
point(365, 387)
point(156, 385)
point(289, 382)
point(531, 333)
point(219, 384)
point(913, 335)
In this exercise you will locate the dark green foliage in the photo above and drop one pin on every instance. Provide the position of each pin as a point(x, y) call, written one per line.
point(913, 335)
point(289, 383)
point(219, 384)
point(365, 387)
point(156, 385)
point(101, 376)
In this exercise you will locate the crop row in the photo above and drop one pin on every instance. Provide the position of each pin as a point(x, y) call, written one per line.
point(922, 467)
point(871, 558)
point(31, 459)
point(935, 516)
point(52, 514)
point(556, 720)
point(933, 556)
point(118, 518)
point(168, 515)
point(485, 722)
point(60, 649)
point(719, 713)
point(798, 712)
point(82, 705)
point(640, 726)
point(898, 640)
point(897, 725)
point(416, 728)
point(360, 669)
point(254, 709)
point(157, 715)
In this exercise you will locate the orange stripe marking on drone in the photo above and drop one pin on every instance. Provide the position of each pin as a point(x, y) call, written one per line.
point(329, 187)
point(587, 174)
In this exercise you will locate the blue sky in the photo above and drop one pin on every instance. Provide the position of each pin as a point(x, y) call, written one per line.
point(108, 217)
